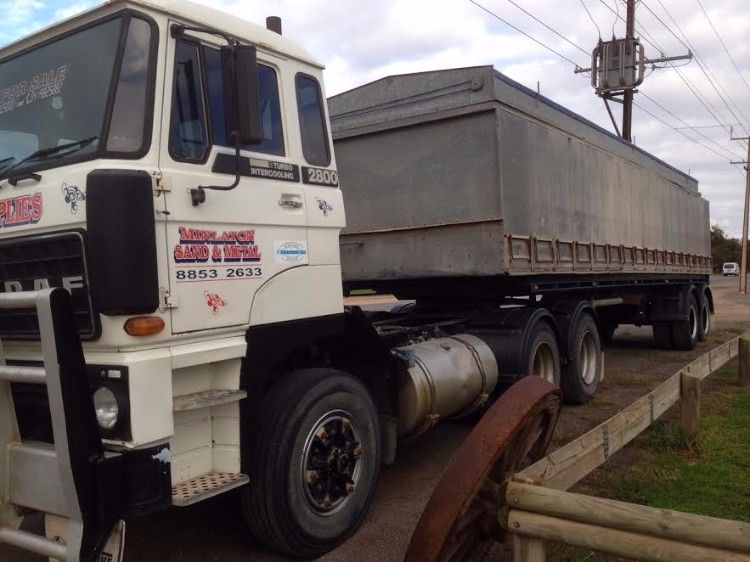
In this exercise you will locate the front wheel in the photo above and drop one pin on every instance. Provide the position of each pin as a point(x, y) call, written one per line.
point(315, 462)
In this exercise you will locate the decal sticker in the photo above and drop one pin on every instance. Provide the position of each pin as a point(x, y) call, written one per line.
point(290, 251)
point(214, 302)
point(324, 206)
point(73, 195)
point(17, 211)
point(320, 176)
point(217, 256)
point(38, 87)
point(257, 168)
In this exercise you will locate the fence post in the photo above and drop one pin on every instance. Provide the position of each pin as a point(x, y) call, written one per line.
point(744, 350)
point(690, 404)
point(527, 549)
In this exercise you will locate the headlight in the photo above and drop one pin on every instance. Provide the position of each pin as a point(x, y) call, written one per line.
point(107, 409)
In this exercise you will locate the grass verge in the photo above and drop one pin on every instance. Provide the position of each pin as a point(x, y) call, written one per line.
point(708, 476)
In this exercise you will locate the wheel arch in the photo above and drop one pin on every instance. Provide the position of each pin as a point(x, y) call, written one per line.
point(345, 341)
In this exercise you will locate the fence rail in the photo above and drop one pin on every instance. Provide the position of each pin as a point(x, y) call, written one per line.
point(540, 510)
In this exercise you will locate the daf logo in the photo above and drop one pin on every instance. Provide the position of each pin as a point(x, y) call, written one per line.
point(70, 283)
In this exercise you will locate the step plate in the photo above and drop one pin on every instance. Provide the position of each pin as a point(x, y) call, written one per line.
point(206, 486)
point(206, 399)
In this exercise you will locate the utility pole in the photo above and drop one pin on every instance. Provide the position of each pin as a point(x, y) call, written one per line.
point(627, 107)
point(743, 258)
point(618, 68)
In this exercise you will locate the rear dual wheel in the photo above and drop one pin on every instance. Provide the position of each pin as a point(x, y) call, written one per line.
point(583, 370)
point(543, 354)
point(686, 333)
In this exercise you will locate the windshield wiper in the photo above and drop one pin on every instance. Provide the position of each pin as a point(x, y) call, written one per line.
point(44, 153)
point(5, 162)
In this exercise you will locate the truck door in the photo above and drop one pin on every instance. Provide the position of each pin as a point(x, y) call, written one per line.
point(222, 250)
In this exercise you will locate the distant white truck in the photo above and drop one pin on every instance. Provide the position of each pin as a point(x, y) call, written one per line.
point(730, 268)
point(171, 308)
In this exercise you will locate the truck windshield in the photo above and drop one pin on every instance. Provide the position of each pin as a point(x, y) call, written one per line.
point(54, 99)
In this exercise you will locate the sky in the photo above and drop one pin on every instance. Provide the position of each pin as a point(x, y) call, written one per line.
point(364, 40)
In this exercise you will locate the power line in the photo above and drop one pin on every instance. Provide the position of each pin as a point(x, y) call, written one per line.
point(585, 7)
point(617, 16)
point(535, 40)
point(691, 86)
point(723, 44)
point(639, 106)
point(560, 35)
point(493, 14)
point(660, 106)
point(707, 71)
point(643, 3)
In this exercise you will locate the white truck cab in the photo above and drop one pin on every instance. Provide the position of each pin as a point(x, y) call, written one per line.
point(110, 123)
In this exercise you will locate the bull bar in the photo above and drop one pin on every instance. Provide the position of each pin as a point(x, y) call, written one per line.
point(73, 478)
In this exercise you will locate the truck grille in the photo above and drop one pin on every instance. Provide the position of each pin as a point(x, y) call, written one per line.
point(35, 262)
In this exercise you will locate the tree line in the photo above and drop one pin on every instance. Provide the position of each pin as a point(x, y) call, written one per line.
point(723, 248)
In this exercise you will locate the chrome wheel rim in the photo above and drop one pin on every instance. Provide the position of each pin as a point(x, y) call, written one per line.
point(543, 362)
point(331, 462)
point(587, 358)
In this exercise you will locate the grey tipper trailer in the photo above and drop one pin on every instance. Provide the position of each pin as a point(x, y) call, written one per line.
point(465, 173)
point(495, 208)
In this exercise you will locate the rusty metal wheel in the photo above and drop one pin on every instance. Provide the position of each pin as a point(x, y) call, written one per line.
point(460, 521)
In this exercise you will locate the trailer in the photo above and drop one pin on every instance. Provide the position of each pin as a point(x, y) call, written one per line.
point(172, 319)
point(463, 183)
point(465, 173)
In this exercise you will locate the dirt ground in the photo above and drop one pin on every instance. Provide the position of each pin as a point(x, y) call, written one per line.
point(213, 530)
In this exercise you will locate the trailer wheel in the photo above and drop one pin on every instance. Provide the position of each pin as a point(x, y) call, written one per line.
point(543, 354)
point(314, 468)
point(685, 332)
point(704, 318)
point(580, 376)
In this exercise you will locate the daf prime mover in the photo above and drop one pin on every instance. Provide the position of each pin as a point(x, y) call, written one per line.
point(175, 259)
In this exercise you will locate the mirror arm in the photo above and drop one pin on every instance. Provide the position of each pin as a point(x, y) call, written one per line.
point(198, 194)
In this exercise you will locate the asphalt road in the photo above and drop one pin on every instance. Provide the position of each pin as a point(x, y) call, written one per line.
point(213, 530)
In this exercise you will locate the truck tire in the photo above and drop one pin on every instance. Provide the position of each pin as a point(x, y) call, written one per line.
point(580, 376)
point(542, 354)
point(704, 318)
point(316, 460)
point(662, 335)
point(685, 332)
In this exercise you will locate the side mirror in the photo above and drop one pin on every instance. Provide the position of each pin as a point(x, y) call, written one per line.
point(239, 67)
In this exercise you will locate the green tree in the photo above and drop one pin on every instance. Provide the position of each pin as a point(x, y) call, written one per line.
point(723, 248)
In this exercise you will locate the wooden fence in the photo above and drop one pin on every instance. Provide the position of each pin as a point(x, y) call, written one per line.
point(540, 510)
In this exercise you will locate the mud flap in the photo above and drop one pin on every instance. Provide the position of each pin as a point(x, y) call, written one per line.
point(56, 528)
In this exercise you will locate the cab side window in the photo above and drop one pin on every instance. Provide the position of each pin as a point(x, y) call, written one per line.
point(312, 121)
point(188, 137)
point(270, 108)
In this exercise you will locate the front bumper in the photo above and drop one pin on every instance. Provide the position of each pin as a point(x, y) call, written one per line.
point(73, 477)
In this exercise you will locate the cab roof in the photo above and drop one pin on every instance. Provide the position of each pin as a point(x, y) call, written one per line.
point(185, 11)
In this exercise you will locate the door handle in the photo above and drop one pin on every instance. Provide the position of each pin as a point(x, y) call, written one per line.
point(288, 202)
